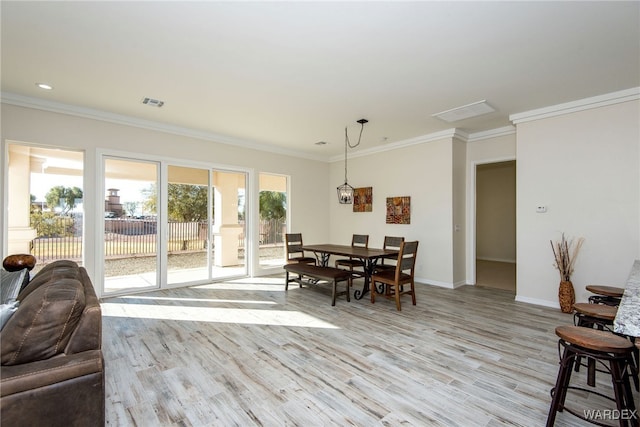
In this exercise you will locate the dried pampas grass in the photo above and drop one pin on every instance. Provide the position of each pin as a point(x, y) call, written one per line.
point(565, 256)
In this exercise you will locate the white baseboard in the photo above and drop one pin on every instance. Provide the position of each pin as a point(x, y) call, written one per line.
point(519, 298)
point(447, 285)
point(459, 284)
point(536, 301)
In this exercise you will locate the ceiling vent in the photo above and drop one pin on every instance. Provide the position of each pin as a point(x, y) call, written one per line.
point(468, 111)
point(153, 102)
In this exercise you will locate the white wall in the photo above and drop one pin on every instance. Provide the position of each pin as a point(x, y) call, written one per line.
point(423, 172)
point(584, 166)
point(308, 198)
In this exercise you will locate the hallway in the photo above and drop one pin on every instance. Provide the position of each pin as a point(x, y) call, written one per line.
point(496, 275)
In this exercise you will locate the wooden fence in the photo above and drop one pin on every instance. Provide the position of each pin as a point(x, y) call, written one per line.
point(134, 237)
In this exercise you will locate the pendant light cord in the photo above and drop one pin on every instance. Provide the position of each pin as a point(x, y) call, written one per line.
point(346, 135)
point(347, 143)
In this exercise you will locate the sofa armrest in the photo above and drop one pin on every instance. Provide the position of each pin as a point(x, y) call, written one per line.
point(64, 391)
point(28, 376)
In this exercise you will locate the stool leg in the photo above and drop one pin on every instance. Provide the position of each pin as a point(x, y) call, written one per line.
point(618, 388)
point(630, 401)
point(579, 320)
point(559, 392)
point(591, 371)
point(635, 365)
point(622, 391)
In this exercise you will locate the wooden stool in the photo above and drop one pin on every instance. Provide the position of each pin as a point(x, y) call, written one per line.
point(601, 317)
point(605, 347)
point(589, 315)
point(609, 295)
point(18, 262)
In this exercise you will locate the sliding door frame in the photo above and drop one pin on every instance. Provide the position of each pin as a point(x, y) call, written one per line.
point(251, 243)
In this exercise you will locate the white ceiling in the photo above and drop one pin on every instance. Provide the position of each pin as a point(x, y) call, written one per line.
point(290, 74)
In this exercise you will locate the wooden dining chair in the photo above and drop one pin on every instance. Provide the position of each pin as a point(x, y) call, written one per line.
point(360, 241)
point(390, 243)
point(394, 280)
point(295, 253)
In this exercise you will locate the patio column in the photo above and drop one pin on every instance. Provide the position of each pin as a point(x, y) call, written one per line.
point(20, 234)
point(226, 230)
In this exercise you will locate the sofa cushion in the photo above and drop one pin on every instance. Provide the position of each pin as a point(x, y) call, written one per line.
point(55, 270)
point(44, 322)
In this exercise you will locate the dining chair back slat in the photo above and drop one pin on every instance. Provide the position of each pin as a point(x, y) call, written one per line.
point(390, 243)
point(295, 253)
point(360, 240)
point(393, 281)
point(357, 241)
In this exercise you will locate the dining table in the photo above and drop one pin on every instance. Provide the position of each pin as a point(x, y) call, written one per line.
point(627, 320)
point(369, 256)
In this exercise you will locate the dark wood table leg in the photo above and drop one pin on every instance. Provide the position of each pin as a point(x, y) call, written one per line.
point(369, 267)
point(322, 258)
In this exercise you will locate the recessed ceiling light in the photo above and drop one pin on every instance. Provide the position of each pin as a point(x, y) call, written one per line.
point(468, 111)
point(44, 86)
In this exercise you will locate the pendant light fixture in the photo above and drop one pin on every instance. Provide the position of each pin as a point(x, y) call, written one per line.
point(345, 191)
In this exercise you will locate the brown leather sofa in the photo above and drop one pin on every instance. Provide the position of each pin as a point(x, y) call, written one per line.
point(52, 368)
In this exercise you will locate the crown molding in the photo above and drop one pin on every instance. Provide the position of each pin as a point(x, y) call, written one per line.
point(448, 133)
point(88, 113)
point(575, 106)
point(492, 133)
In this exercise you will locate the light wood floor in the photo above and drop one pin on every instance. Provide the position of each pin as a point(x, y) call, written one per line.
point(246, 353)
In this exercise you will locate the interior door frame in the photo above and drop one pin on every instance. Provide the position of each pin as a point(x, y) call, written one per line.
point(471, 217)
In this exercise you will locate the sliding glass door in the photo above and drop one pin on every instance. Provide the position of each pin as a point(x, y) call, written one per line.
point(188, 224)
point(182, 223)
point(273, 219)
point(130, 224)
point(229, 250)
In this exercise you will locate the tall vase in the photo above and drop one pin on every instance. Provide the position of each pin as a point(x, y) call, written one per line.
point(566, 296)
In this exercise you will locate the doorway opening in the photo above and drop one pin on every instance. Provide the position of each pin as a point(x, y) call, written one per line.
point(496, 225)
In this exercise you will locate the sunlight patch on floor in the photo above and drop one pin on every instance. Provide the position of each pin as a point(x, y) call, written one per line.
point(247, 284)
point(279, 280)
point(241, 301)
point(212, 314)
